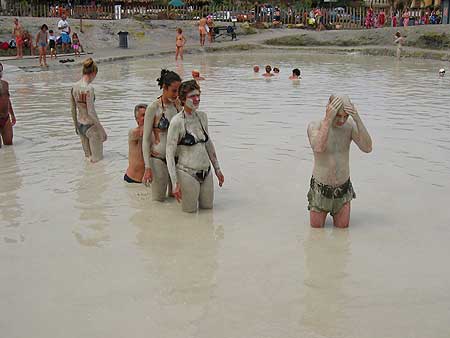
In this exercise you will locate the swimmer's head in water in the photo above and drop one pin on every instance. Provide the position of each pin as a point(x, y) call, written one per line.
point(189, 94)
point(276, 70)
point(139, 113)
point(296, 72)
point(169, 82)
point(195, 73)
point(90, 68)
point(398, 34)
point(256, 68)
point(441, 71)
point(341, 114)
point(268, 69)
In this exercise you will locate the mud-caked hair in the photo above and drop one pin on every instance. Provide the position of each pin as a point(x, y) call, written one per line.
point(89, 67)
point(185, 88)
point(167, 77)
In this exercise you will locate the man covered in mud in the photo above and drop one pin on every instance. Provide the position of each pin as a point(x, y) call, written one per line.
point(136, 165)
point(331, 189)
point(7, 117)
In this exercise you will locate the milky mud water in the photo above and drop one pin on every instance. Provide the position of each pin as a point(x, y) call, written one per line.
point(83, 254)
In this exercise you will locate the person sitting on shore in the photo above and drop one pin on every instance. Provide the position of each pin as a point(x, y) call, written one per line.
point(295, 74)
point(28, 41)
point(7, 117)
point(136, 165)
point(268, 72)
point(196, 75)
point(331, 190)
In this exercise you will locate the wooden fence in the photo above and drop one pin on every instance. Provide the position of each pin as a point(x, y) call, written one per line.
point(348, 18)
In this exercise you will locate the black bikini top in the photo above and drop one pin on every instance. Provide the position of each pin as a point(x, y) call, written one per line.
point(164, 122)
point(189, 139)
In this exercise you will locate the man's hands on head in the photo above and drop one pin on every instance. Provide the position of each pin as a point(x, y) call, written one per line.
point(333, 108)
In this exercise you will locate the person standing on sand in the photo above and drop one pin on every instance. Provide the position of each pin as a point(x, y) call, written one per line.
point(331, 190)
point(406, 16)
point(202, 30)
point(136, 165)
point(210, 23)
point(85, 119)
point(41, 44)
point(7, 117)
point(18, 36)
point(64, 27)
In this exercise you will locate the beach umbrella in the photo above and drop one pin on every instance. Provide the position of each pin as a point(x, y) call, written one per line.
point(176, 3)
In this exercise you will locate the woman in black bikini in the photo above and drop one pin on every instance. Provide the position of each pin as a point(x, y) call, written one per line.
point(189, 140)
point(156, 123)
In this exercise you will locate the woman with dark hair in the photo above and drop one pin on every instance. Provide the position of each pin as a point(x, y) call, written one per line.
point(41, 44)
point(157, 120)
point(189, 140)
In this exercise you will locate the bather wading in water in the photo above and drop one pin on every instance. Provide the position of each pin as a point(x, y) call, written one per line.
point(330, 188)
point(156, 124)
point(135, 170)
point(85, 119)
point(189, 139)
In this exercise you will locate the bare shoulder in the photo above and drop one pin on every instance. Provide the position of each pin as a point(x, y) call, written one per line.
point(177, 120)
point(202, 115)
point(5, 84)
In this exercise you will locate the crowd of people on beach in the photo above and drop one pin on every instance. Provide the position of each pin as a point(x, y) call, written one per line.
point(46, 41)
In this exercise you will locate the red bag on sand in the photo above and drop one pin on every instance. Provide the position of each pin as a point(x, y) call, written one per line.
point(4, 45)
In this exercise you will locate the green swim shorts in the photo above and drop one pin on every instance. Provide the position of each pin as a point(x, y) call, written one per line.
point(325, 198)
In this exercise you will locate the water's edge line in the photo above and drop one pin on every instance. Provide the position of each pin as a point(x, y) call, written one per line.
point(365, 50)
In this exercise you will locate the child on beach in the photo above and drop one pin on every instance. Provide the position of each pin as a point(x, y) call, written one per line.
point(76, 44)
point(136, 166)
point(52, 43)
point(180, 42)
point(41, 44)
point(399, 40)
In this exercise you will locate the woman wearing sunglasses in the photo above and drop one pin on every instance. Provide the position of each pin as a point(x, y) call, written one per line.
point(156, 124)
point(188, 138)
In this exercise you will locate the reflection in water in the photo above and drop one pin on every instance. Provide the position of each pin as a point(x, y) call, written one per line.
point(326, 255)
point(181, 252)
point(11, 183)
point(91, 205)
